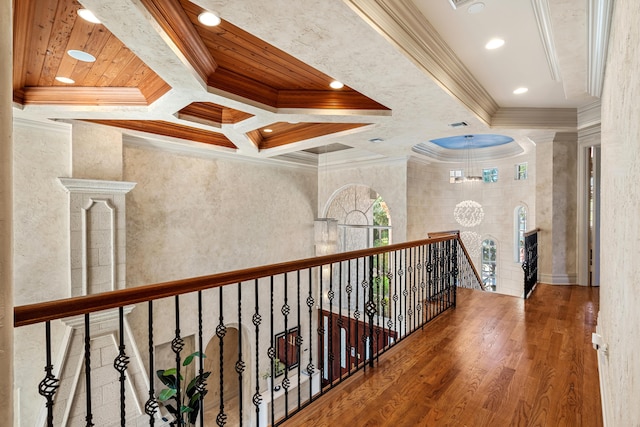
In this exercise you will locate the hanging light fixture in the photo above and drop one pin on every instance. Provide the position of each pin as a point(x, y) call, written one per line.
point(469, 213)
point(469, 171)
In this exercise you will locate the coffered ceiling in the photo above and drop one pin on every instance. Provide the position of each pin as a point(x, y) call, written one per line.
point(258, 84)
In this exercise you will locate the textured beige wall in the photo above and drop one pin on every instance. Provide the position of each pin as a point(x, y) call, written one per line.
point(619, 320)
point(42, 153)
point(96, 152)
point(432, 199)
point(190, 216)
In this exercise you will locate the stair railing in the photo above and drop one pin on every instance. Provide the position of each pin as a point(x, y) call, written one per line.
point(267, 340)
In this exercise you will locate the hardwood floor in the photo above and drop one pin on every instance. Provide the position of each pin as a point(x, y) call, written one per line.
point(495, 360)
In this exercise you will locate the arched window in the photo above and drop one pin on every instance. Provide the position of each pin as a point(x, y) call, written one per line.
point(489, 253)
point(520, 229)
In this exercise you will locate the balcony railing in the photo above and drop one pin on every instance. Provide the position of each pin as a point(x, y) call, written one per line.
point(530, 263)
point(250, 347)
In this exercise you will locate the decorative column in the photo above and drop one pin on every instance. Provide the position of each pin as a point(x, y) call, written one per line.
point(556, 208)
point(6, 209)
point(97, 221)
point(98, 234)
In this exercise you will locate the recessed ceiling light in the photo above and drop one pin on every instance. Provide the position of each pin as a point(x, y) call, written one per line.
point(81, 55)
point(494, 44)
point(66, 80)
point(336, 85)
point(476, 7)
point(520, 90)
point(375, 140)
point(209, 19)
point(87, 15)
point(267, 130)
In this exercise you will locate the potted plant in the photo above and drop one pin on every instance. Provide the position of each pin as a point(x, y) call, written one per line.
point(185, 412)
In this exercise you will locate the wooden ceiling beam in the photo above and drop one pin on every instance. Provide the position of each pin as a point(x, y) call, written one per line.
point(172, 130)
point(72, 95)
point(327, 99)
point(174, 21)
point(291, 133)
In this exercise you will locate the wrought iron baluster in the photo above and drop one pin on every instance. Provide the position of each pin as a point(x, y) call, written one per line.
point(120, 364)
point(321, 332)
point(340, 320)
point(285, 310)
point(240, 365)
point(454, 269)
point(49, 385)
point(177, 344)
point(330, 295)
point(395, 294)
point(257, 319)
point(151, 406)
point(87, 369)
point(421, 270)
point(272, 353)
point(405, 293)
point(348, 290)
point(202, 382)
point(383, 278)
point(310, 367)
point(221, 331)
point(371, 311)
point(389, 277)
point(377, 306)
point(299, 339)
point(356, 312)
point(411, 283)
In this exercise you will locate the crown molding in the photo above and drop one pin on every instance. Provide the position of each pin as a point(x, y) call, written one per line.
point(206, 151)
point(590, 136)
point(77, 185)
point(402, 23)
point(42, 125)
point(441, 154)
point(560, 119)
point(543, 19)
point(589, 115)
point(363, 160)
point(600, 12)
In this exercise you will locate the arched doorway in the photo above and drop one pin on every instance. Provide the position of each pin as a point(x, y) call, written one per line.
point(230, 384)
point(364, 221)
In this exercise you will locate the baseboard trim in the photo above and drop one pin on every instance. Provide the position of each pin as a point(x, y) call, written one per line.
point(604, 382)
point(558, 279)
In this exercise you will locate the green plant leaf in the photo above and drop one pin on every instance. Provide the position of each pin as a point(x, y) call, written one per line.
point(169, 381)
point(185, 409)
point(189, 358)
point(167, 394)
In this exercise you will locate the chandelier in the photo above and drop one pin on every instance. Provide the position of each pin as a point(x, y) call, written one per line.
point(469, 176)
point(468, 213)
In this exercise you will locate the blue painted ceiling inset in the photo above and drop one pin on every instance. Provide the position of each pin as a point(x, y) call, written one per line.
point(461, 142)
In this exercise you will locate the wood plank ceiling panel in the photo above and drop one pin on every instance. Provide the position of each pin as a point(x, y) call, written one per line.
point(283, 133)
point(254, 69)
point(173, 130)
point(45, 30)
point(208, 112)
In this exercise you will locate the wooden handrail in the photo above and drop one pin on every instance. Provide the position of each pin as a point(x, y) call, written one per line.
point(473, 267)
point(530, 232)
point(59, 309)
point(456, 233)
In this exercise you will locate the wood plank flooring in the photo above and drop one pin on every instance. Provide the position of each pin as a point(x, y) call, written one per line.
point(495, 360)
